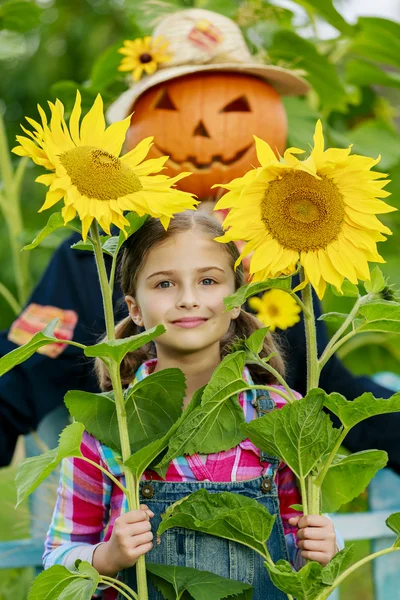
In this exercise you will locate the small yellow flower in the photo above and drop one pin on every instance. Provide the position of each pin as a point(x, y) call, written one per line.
point(144, 54)
point(275, 309)
point(320, 212)
point(87, 171)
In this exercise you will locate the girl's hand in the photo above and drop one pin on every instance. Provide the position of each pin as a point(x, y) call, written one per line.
point(131, 537)
point(316, 537)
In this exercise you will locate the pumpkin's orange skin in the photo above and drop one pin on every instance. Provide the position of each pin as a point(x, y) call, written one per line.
point(186, 116)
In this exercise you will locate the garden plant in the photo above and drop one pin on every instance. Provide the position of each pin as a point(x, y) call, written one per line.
point(326, 206)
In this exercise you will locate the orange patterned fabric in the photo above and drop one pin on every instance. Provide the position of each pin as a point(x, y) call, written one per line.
point(34, 318)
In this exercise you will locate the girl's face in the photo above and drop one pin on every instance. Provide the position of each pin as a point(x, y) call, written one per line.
point(182, 285)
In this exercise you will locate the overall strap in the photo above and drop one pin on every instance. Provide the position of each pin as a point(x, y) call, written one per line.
point(264, 404)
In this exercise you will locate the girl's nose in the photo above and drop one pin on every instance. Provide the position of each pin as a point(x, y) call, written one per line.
point(188, 299)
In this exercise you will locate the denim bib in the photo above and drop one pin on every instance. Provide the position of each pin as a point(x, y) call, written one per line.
point(187, 548)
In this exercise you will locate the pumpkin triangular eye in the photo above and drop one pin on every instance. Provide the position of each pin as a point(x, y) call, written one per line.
point(240, 104)
point(165, 102)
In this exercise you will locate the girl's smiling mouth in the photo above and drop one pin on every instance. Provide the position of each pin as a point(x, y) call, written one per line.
point(189, 322)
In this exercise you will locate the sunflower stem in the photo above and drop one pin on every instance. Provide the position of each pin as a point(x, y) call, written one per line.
point(332, 345)
point(115, 376)
point(311, 336)
point(257, 361)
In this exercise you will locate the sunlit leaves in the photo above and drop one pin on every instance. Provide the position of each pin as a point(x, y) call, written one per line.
point(172, 581)
point(351, 412)
point(32, 471)
point(299, 433)
point(55, 222)
point(60, 583)
point(348, 477)
point(117, 349)
point(231, 516)
point(246, 291)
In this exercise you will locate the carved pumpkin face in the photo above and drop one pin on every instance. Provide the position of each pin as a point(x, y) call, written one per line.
point(205, 123)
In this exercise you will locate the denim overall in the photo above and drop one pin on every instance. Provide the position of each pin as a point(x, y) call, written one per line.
point(188, 548)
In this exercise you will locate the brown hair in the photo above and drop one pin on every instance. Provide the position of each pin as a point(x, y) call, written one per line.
point(134, 254)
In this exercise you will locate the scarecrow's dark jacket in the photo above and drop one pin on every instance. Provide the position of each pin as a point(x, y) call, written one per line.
point(30, 391)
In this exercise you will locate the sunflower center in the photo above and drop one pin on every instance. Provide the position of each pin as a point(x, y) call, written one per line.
point(145, 58)
point(303, 213)
point(273, 310)
point(98, 174)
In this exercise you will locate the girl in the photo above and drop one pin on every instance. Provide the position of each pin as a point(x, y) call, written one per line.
point(179, 278)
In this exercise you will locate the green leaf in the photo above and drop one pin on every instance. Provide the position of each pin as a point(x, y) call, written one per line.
point(105, 69)
point(301, 121)
point(373, 137)
point(201, 585)
point(227, 515)
point(66, 92)
point(244, 292)
point(379, 310)
point(364, 73)
point(88, 245)
point(339, 563)
point(152, 405)
point(216, 424)
point(299, 433)
point(349, 290)
point(377, 282)
point(351, 412)
point(60, 583)
point(378, 40)
point(327, 10)
point(32, 471)
point(19, 15)
point(320, 72)
point(19, 355)
point(111, 245)
point(55, 221)
point(144, 457)
point(116, 350)
point(348, 476)
point(305, 584)
point(255, 342)
point(380, 326)
point(393, 522)
point(333, 317)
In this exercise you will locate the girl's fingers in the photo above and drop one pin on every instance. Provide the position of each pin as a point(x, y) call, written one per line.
point(134, 529)
point(320, 557)
point(147, 509)
point(314, 545)
point(314, 521)
point(143, 538)
point(143, 549)
point(294, 520)
point(315, 533)
point(135, 516)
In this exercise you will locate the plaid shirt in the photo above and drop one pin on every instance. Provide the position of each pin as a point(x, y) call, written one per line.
point(88, 502)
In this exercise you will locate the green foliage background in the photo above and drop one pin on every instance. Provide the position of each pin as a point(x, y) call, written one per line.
point(48, 48)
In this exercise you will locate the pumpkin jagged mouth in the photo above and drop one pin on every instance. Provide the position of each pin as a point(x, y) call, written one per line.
point(216, 158)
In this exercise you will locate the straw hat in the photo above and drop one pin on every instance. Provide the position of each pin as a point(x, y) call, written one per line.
point(202, 40)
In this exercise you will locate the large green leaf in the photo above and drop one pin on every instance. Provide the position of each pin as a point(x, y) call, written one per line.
point(301, 121)
point(374, 137)
point(364, 73)
point(117, 349)
point(244, 292)
point(59, 583)
point(32, 471)
point(320, 72)
point(327, 10)
point(21, 354)
point(393, 522)
point(201, 585)
point(143, 458)
point(299, 433)
point(19, 15)
point(227, 515)
point(152, 405)
point(105, 69)
point(216, 424)
point(312, 579)
point(351, 412)
point(383, 309)
point(55, 222)
point(348, 477)
point(378, 40)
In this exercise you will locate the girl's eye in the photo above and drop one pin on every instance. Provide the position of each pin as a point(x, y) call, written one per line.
point(164, 284)
point(207, 281)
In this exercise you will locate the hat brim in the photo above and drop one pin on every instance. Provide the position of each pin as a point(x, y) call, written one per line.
point(285, 82)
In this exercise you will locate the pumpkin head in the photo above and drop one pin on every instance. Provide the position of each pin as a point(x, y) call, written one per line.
point(205, 123)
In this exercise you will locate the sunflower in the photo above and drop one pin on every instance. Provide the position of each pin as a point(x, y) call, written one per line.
point(143, 54)
point(320, 212)
point(276, 308)
point(91, 177)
